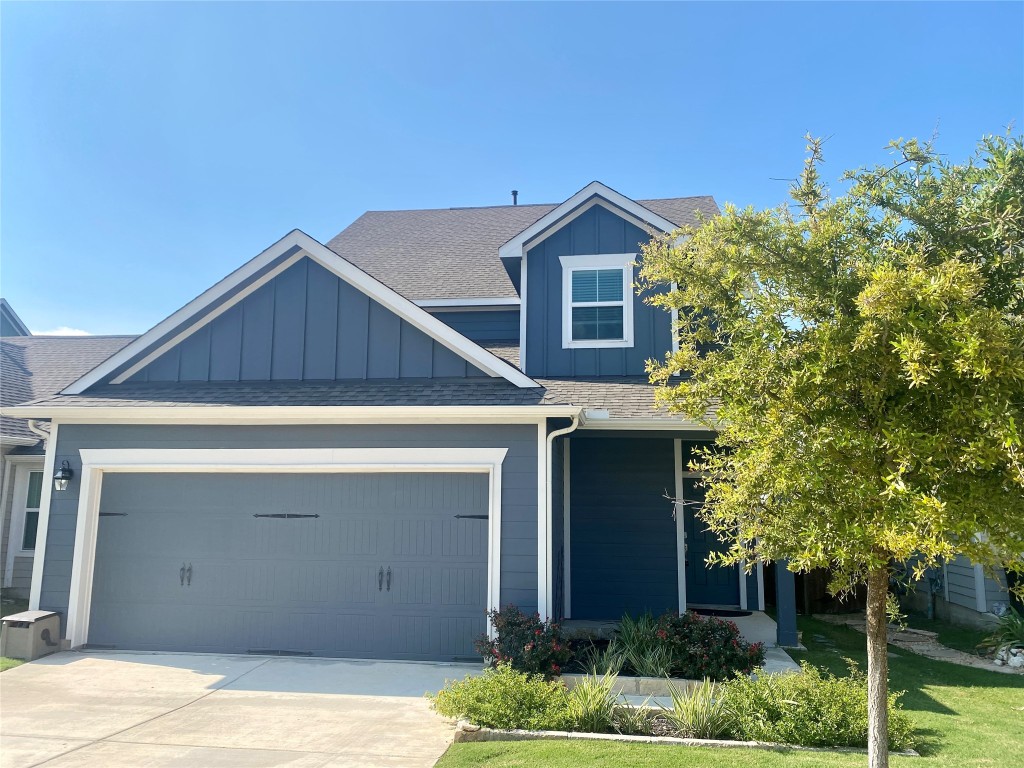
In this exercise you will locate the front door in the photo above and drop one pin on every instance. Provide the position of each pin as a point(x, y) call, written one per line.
point(705, 585)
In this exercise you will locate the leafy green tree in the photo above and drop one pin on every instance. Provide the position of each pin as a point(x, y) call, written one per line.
point(864, 356)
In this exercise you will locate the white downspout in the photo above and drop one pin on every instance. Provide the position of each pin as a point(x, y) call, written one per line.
point(577, 419)
point(37, 431)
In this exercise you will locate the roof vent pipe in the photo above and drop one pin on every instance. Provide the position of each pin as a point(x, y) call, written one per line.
point(515, 197)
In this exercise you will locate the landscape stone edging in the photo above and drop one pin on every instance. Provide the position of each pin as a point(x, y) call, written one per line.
point(467, 732)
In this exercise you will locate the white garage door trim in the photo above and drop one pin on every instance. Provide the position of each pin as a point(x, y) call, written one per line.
point(97, 462)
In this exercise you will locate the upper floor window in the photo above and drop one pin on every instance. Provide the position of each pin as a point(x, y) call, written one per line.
point(597, 300)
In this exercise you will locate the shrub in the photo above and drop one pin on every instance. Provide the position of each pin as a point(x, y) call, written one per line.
point(707, 647)
point(597, 661)
point(631, 720)
point(810, 709)
point(526, 643)
point(1009, 632)
point(504, 698)
point(700, 713)
point(590, 705)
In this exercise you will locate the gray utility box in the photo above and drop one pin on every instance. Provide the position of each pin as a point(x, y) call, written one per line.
point(30, 634)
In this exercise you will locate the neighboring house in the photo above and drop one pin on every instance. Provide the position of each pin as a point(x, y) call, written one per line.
point(355, 449)
point(10, 323)
point(32, 367)
point(963, 593)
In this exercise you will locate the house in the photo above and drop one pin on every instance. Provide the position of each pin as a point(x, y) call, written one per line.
point(355, 449)
point(32, 367)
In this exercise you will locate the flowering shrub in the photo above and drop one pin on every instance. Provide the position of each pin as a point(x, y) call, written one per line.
point(524, 642)
point(707, 647)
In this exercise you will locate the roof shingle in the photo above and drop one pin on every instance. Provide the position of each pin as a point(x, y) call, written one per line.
point(33, 367)
point(452, 253)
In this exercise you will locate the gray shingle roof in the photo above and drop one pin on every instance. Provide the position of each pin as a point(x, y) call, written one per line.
point(33, 367)
point(623, 397)
point(407, 392)
point(452, 253)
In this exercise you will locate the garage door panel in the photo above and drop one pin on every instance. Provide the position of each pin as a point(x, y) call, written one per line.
point(300, 584)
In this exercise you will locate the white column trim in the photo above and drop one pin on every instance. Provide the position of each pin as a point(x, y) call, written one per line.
point(44, 519)
point(566, 531)
point(543, 525)
point(980, 598)
point(680, 510)
point(98, 462)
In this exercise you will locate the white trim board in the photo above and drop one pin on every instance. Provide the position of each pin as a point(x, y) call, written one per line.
point(505, 303)
point(311, 414)
point(44, 519)
point(345, 270)
point(595, 193)
point(98, 462)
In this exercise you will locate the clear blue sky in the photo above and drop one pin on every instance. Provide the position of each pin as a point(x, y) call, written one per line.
point(150, 149)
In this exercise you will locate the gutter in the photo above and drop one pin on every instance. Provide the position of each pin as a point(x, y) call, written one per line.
point(282, 414)
point(44, 434)
point(578, 418)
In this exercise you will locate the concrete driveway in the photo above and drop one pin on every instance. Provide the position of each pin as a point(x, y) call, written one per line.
point(206, 711)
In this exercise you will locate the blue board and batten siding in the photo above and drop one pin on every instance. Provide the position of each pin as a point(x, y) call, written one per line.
point(622, 530)
point(597, 231)
point(306, 324)
point(518, 490)
point(483, 325)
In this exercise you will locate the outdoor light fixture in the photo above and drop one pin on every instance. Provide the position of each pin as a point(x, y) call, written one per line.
point(62, 476)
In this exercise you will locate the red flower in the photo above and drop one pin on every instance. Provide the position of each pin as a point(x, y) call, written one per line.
point(537, 632)
point(555, 668)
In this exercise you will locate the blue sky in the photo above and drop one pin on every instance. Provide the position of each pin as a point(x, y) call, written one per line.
point(149, 149)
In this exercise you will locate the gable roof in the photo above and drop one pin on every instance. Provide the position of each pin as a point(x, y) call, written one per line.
point(452, 253)
point(285, 252)
point(9, 319)
point(33, 367)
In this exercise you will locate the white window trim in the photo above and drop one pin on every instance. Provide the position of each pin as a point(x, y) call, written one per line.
point(570, 264)
point(16, 534)
point(98, 462)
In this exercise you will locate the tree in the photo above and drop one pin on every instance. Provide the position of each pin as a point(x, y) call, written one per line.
point(864, 356)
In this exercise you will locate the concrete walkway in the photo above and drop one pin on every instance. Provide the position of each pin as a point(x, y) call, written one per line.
point(163, 709)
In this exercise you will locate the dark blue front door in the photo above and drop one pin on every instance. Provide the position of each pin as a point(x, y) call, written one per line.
point(705, 585)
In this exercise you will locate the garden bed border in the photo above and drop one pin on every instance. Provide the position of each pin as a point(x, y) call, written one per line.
point(467, 732)
point(634, 685)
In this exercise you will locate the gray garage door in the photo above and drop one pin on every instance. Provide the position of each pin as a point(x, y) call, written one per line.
point(354, 565)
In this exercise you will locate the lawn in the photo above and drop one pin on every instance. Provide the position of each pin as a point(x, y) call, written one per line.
point(965, 717)
point(6, 609)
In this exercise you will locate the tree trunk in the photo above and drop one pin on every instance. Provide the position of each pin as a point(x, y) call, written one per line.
point(878, 670)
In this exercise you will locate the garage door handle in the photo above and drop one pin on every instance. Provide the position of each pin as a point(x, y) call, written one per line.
point(181, 574)
point(188, 575)
point(389, 578)
point(380, 579)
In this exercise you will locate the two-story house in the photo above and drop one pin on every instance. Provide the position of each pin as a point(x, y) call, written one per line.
point(356, 449)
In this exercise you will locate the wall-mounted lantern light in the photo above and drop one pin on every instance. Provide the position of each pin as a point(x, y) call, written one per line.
point(62, 476)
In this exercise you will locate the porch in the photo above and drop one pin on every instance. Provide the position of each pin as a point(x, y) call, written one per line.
point(626, 539)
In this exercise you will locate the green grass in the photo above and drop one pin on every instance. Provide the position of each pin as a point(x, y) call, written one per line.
point(965, 717)
point(6, 663)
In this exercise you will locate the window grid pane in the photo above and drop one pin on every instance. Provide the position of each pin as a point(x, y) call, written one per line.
point(596, 285)
point(597, 323)
point(35, 490)
point(28, 538)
